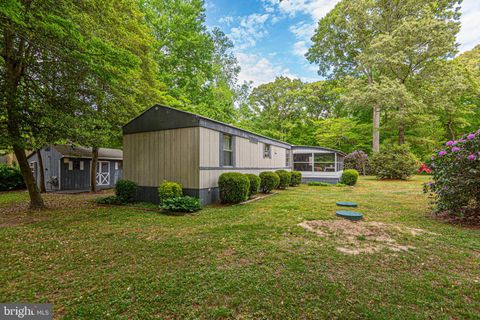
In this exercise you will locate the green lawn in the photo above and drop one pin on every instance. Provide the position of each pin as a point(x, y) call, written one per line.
point(243, 261)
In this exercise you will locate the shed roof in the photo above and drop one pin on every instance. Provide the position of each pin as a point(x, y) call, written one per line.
point(160, 117)
point(86, 152)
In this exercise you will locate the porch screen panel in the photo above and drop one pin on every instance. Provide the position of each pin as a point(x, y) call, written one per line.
point(302, 162)
point(324, 162)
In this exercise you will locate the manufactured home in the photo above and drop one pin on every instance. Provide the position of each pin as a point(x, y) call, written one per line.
point(164, 143)
point(67, 167)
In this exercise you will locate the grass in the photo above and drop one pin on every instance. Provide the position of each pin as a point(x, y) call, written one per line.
point(243, 261)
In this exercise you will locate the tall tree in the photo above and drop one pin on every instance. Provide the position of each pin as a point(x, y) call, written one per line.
point(50, 64)
point(380, 40)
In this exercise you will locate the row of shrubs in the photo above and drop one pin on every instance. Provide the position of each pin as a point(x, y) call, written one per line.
point(237, 187)
point(170, 194)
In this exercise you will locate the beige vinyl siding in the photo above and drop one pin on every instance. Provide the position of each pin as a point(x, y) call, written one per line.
point(248, 157)
point(151, 157)
point(209, 148)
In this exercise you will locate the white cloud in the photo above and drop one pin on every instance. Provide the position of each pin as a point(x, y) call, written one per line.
point(250, 29)
point(317, 9)
point(259, 69)
point(227, 20)
point(469, 35)
point(300, 48)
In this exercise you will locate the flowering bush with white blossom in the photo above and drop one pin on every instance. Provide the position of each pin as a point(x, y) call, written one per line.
point(456, 177)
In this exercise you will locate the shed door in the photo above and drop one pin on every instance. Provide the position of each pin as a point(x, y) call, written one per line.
point(103, 173)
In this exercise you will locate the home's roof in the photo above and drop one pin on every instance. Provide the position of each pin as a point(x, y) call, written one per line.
point(86, 152)
point(160, 117)
point(319, 148)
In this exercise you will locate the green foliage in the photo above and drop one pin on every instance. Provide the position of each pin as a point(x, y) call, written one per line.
point(395, 162)
point(343, 134)
point(319, 184)
point(254, 183)
point(109, 200)
point(126, 191)
point(234, 187)
point(285, 178)
point(269, 181)
point(168, 189)
point(357, 160)
point(456, 172)
point(340, 185)
point(181, 204)
point(296, 178)
point(349, 177)
point(10, 178)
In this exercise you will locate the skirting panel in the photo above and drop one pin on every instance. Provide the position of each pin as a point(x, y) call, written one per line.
point(150, 194)
point(320, 179)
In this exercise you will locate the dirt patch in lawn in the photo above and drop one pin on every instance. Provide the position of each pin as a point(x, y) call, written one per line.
point(362, 237)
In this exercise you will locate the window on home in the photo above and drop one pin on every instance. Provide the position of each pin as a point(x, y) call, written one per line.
point(267, 151)
point(227, 150)
point(302, 162)
point(314, 162)
point(324, 162)
point(288, 158)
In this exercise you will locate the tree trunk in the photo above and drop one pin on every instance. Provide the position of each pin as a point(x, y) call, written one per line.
point(376, 129)
point(13, 71)
point(41, 171)
point(401, 134)
point(36, 201)
point(93, 173)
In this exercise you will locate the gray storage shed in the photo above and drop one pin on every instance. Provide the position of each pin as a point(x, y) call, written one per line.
point(164, 143)
point(68, 167)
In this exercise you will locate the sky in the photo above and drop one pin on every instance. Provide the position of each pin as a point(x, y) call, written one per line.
point(271, 37)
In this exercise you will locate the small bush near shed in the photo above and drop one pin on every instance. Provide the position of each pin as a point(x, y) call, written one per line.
point(125, 190)
point(296, 178)
point(254, 183)
point(268, 181)
point(349, 177)
point(395, 162)
point(168, 189)
point(234, 187)
point(10, 178)
point(108, 200)
point(181, 204)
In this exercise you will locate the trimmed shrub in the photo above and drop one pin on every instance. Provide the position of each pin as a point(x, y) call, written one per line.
point(296, 178)
point(254, 183)
point(359, 161)
point(168, 189)
point(285, 178)
point(455, 172)
point(10, 178)
point(396, 162)
point(268, 181)
point(234, 187)
point(181, 204)
point(349, 177)
point(319, 184)
point(125, 190)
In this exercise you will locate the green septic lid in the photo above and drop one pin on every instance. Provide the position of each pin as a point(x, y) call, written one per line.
point(350, 215)
point(347, 204)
